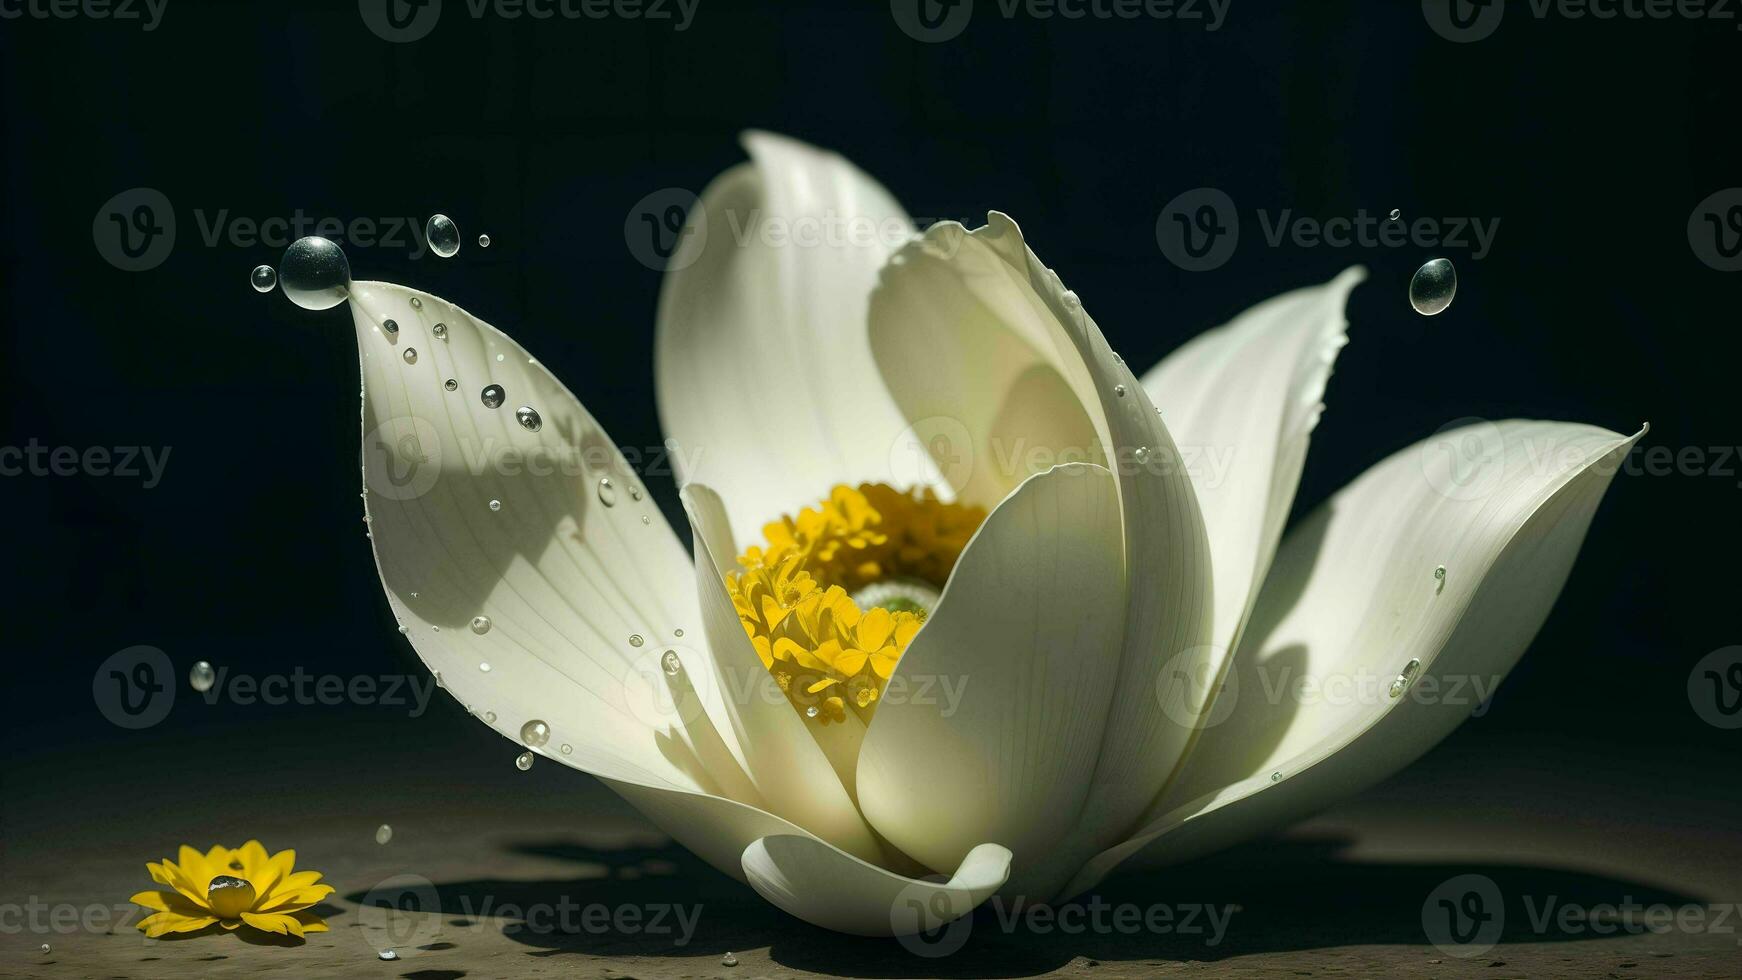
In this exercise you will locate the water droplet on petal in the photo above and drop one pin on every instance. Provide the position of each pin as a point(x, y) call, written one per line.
point(451, 385)
point(1433, 286)
point(635, 639)
point(315, 273)
point(404, 629)
point(483, 241)
point(1119, 390)
point(1440, 577)
point(416, 303)
point(490, 717)
point(672, 663)
point(484, 666)
point(480, 625)
point(607, 492)
point(391, 326)
point(443, 235)
point(677, 632)
point(383, 834)
point(440, 331)
point(528, 418)
point(1276, 777)
point(495, 505)
point(410, 355)
point(263, 278)
point(523, 761)
point(492, 396)
point(634, 493)
point(535, 733)
point(567, 749)
point(201, 677)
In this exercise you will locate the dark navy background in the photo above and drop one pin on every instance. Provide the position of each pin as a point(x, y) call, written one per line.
point(1591, 141)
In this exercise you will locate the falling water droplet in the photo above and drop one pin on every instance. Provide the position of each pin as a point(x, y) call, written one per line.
point(495, 505)
point(672, 663)
point(383, 834)
point(1433, 286)
point(1119, 390)
point(480, 625)
point(391, 326)
point(388, 954)
point(1395, 214)
point(535, 733)
point(607, 492)
point(201, 677)
point(528, 418)
point(635, 639)
point(440, 331)
point(492, 396)
point(315, 273)
point(451, 385)
point(410, 355)
point(729, 960)
point(263, 278)
point(443, 235)
point(483, 241)
point(523, 761)
point(1440, 577)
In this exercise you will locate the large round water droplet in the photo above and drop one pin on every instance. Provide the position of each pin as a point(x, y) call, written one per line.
point(201, 677)
point(1432, 287)
point(523, 761)
point(315, 273)
point(529, 418)
point(391, 326)
point(263, 278)
point(383, 834)
point(480, 625)
point(535, 733)
point(451, 385)
point(443, 235)
point(410, 355)
point(492, 396)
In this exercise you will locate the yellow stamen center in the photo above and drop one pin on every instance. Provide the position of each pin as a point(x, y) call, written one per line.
point(796, 596)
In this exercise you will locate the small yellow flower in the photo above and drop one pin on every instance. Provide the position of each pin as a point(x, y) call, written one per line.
point(232, 888)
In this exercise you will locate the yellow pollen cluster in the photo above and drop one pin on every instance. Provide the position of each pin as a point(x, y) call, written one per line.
point(794, 600)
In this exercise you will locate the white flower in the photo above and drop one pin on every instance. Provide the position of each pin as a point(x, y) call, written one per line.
point(1055, 716)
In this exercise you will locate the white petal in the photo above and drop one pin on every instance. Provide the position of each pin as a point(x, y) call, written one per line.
point(1353, 599)
point(1245, 398)
point(973, 327)
point(791, 774)
point(1027, 636)
point(764, 373)
point(563, 579)
point(836, 891)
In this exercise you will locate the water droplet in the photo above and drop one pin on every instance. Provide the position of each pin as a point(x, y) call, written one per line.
point(45, 947)
point(1397, 687)
point(1142, 455)
point(535, 733)
point(1440, 577)
point(436, 675)
point(1071, 300)
point(440, 331)
point(201, 677)
point(1395, 214)
point(635, 639)
point(391, 326)
point(607, 492)
point(523, 761)
point(567, 749)
point(404, 629)
point(495, 505)
point(1276, 777)
point(416, 303)
point(672, 663)
point(811, 712)
point(1119, 390)
point(483, 241)
point(263, 278)
point(646, 520)
point(492, 396)
point(677, 632)
point(1432, 287)
point(410, 355)
point(634, 493)
point(528, 418)
point(729, 960)
point(480, 625)
point(490, 717)
point(483, 666)
point(443, 235)
point(315, 273)
point(383, 834)
point(451, 385)
point(388, 954)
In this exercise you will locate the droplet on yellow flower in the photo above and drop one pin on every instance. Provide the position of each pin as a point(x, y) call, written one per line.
point(229, 896)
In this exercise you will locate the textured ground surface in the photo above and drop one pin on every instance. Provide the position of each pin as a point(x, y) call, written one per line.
point(527, 871)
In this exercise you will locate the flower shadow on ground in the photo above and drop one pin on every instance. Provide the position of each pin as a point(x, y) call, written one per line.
point(1291, 894)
